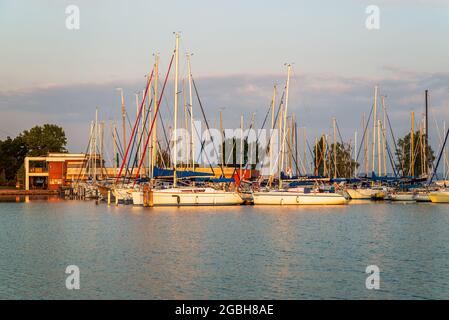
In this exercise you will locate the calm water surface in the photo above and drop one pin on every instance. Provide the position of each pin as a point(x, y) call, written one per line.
point(242, 252)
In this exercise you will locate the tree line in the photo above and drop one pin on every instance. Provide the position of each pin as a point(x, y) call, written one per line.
point(37, 141)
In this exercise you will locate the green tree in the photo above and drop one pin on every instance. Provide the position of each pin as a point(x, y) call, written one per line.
point(40, 140)
point(422, 159)
point(12, 154)
point(324, 159)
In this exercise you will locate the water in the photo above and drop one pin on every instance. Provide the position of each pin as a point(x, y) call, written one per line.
point(224, 252)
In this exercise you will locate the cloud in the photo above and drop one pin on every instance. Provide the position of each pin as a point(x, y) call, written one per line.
point(314, 98)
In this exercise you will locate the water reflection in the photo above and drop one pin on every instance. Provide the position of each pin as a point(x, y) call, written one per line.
point(244, 252)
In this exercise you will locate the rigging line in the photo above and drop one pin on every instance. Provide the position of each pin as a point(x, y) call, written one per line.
point(202, 144)
point(154, 118)
point(81, 168)
point(165, 132)
point(364, 134)
point(206, 122)
point(135, 124)
point(398, 153)
point(439, 158)
point(140, 140)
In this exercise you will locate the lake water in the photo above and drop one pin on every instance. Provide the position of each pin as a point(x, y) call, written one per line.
point(244, 252)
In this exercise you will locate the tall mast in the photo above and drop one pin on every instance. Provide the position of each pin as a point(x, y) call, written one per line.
point(138, 151)
point(335, 147)
point(384, 134)
point(155, 103)
point(426, 142)
point(355, 154)
point(241, 146)
point(222, 140)
point(445, 155)
point(365, 145)
point(175, 124)
point(305, 152)
point(95, 144)
point(192, 146)
point(379, 156)
point(273, 102)
point(374, 129)
point(114, 144)
point(123, 118)
point(412, 147)
point(285, 122)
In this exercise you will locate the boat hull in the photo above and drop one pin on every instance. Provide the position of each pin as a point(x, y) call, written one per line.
point(361, 194)
point(290, 198)
point(403, 197)
point(439, 196)
point(180, 198)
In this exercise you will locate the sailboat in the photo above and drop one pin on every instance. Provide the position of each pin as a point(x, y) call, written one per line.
point(184, 196)
point(294, 196)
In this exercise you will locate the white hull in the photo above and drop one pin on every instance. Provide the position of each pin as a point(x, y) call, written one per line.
point(422, 197)
point(439, 196)
point(360, 194)
point(293, 198)
point(189, 197)
point(402, 197)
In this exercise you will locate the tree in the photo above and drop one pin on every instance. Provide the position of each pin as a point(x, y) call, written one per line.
point(422, 159)
point(12, 154)
point(40, 140)
point(324, 159)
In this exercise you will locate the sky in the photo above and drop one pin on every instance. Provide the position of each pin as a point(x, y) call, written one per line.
point(50, 74)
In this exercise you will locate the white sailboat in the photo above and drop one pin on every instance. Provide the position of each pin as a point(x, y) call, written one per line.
point(293, 196)
point(193, 196)
point(186, 196)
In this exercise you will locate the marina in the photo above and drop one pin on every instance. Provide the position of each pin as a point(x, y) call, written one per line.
point(224, 155)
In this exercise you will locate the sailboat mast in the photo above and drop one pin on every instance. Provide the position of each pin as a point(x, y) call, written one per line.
point(192, 146)
point(273, 102)
point(335, 147)
point(379, 156)
point(285, 122)
point(175, 122)
point(123, 118)
point(374, 130)
point(355, 154)
point(155, 103)
point(412, 145)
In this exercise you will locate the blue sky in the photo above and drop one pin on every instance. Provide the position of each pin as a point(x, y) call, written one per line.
point(51, 74)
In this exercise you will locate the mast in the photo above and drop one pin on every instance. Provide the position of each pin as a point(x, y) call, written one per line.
point(374, 129)
point(379, 155)
point(412, 147)
point(155, 103)
point(114, 144)
point(285, 122)
point(335, 147)
point(365, 145)
point(305, 152)
point(273, 102)
point(241, 146)
point(123, 117)
point(138, 151)
point(222, 139)
point(384, 135)
point(175, 124)
point(95, 144)
point(192, 146)
point(355, 154)
point(426, 142)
